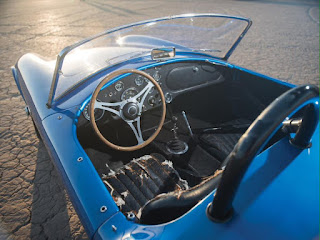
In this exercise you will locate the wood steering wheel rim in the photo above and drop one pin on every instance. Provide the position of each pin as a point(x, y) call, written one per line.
point(94, 98)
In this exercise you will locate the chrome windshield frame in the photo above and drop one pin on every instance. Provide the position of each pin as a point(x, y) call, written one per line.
point(65, 51)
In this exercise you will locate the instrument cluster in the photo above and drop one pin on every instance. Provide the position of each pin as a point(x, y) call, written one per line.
point(174, 79)
point(128, 87)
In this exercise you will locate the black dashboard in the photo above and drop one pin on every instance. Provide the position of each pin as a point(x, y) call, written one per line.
point(174, 79)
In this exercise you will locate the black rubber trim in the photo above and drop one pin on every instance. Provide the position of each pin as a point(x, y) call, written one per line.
point(228, 216)
point(256, 137)
point(306, 129)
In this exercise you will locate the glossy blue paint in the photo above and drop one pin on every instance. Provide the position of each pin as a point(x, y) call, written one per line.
point(35, 79)
point(280, 185)
point(86, 190)
point(88, 193)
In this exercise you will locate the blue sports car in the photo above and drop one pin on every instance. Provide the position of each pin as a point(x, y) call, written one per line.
point(157, 136)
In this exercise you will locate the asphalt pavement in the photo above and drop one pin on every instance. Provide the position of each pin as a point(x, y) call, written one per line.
point(283, 42)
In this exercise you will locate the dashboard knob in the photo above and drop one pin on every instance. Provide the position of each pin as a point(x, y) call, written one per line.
point(152, 101)
point(168, 97)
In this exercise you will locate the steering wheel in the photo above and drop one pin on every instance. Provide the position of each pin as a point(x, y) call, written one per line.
point(129, 110)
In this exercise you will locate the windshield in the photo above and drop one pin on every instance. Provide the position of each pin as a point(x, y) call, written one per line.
point(214, 35)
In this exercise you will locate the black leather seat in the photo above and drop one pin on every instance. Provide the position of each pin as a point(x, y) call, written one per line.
point(221, 141)
point(133, 185)
point(137, 187)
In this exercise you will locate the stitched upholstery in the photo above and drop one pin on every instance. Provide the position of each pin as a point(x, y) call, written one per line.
point(141, 180)
point(224, 143)
point(220, 144)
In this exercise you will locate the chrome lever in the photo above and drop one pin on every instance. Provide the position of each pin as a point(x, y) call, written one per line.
point(188, 124)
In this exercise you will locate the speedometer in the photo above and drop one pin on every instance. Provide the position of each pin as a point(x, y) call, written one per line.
point(98, 113)
point(129, 93)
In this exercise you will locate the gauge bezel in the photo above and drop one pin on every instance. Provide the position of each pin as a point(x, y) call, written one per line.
point(168, 95)
point(157, 76)
point(117, 84)
point(125, 91)
point(86, 113)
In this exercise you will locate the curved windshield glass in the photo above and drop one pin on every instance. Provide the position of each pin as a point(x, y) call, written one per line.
point(213, 35)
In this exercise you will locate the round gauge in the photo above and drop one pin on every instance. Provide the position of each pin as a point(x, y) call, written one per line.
point(168, 97)
point(156, 76)
point(119, 86)
point(152, 101)
point(151, 90)
point(98, 113)
point(139, 80)
point(129, 93)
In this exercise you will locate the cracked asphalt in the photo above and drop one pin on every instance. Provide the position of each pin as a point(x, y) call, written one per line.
point(283, 43)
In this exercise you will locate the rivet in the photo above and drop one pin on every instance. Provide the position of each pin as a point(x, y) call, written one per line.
point(27, 110)
point(114, 228)
point(80, 159)
point(103, 209)
point(59, 117)
point(131, 216)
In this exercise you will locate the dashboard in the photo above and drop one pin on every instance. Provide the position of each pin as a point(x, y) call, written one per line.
point(174, 79)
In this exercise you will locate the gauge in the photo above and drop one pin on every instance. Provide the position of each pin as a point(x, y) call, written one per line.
point(139, 80)
point(119, 86)
point(98, 113)
point(151, 90)
point(129, 93)
point(152, 101)
point(168, 97)
point(156, 76)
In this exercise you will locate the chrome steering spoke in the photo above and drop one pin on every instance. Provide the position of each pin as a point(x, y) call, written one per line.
point(108, 106)
point(143, 94)
point(136, 130)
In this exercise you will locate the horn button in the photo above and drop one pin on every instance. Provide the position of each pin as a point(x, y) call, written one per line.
point(130, 111)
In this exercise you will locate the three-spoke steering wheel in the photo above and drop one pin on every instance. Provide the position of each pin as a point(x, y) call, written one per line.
point(129, 110)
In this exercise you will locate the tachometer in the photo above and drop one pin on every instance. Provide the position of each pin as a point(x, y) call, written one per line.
point(98, 113)
point(128, 93)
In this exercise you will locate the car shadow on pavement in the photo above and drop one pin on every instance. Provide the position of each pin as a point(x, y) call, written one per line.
point(49, 214)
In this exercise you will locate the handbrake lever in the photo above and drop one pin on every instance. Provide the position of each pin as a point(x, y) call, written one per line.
point(188, 125)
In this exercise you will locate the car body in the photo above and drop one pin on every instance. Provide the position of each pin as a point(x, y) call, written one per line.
point(260, 181)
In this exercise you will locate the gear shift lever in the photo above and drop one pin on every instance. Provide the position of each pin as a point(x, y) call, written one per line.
point(176, 146)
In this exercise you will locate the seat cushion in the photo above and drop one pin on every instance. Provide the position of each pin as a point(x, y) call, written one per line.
point(221, 144)
point(222, 140)
point(133, 185)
